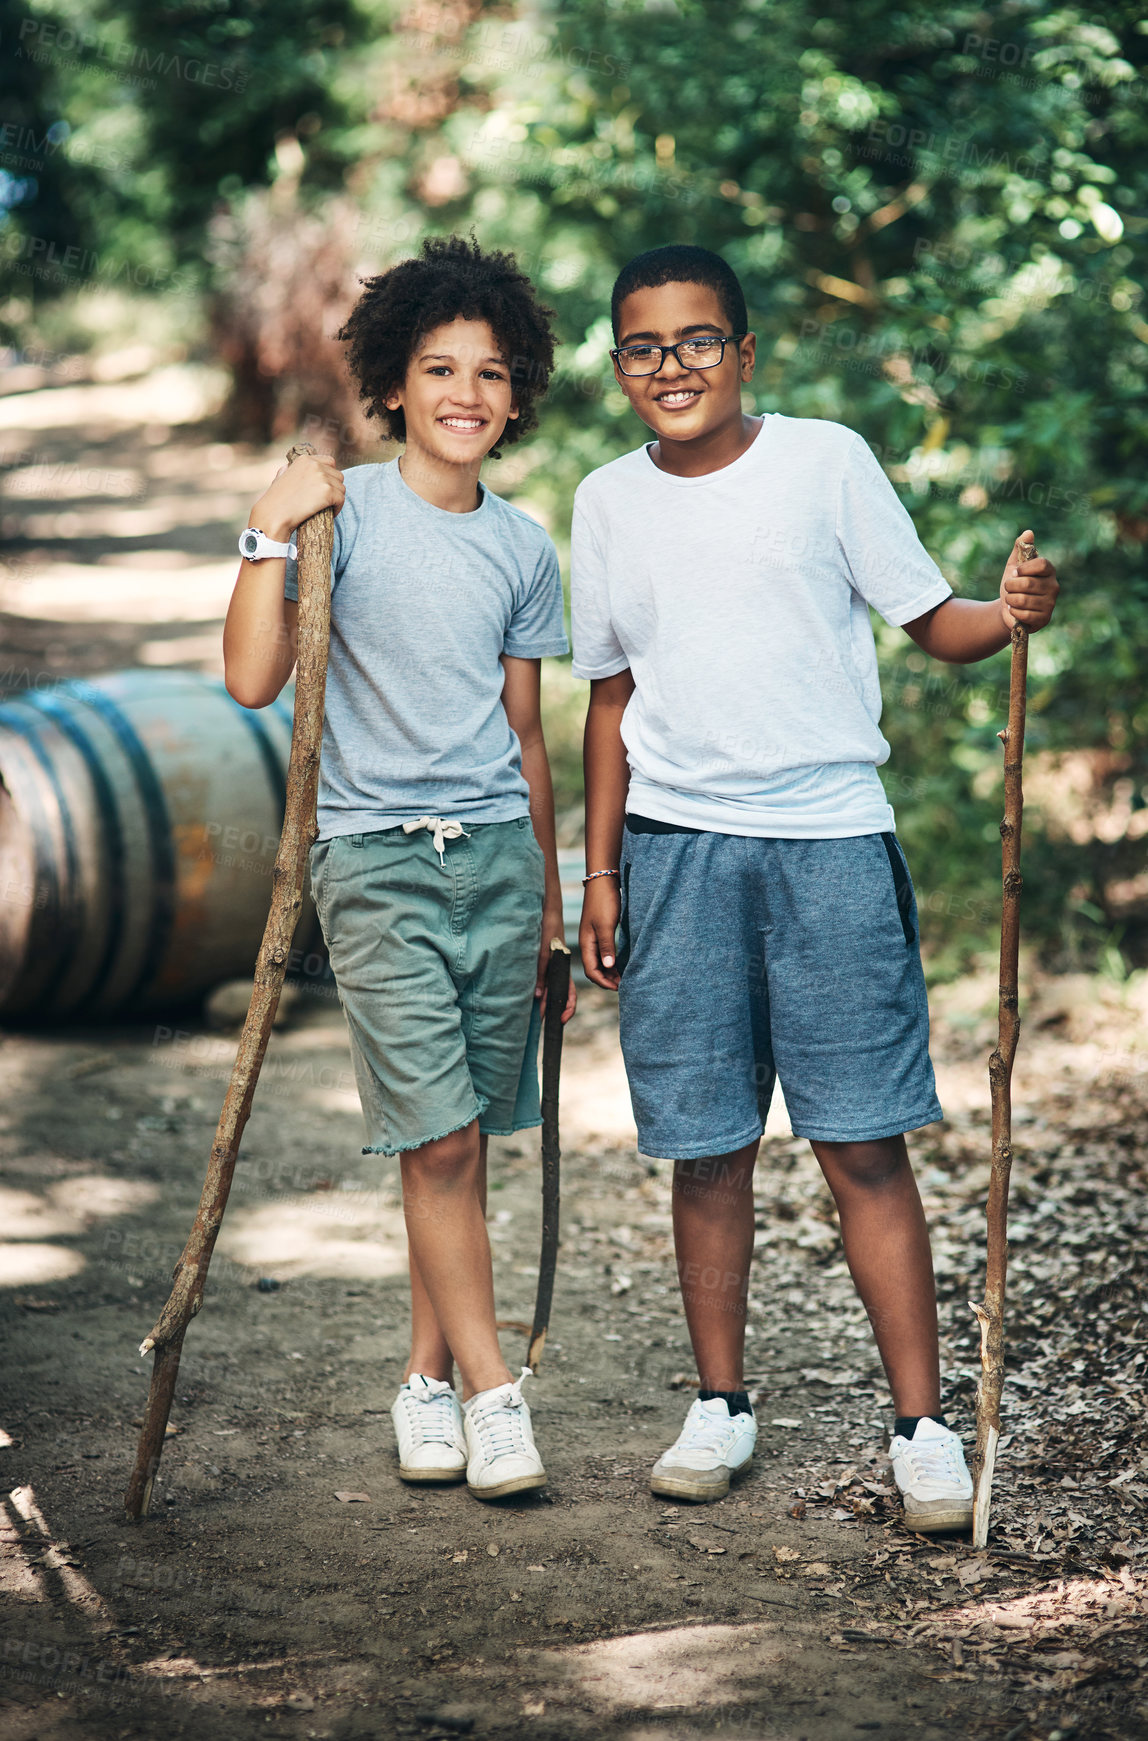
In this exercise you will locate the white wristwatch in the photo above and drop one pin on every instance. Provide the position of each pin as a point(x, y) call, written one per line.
point(256, 546)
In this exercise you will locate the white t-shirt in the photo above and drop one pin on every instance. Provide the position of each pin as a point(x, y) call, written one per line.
point(740, 602)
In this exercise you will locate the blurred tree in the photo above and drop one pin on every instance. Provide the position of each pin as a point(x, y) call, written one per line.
point(936, 212)
point(228, 79)
point(48, 196)
point(148, 119)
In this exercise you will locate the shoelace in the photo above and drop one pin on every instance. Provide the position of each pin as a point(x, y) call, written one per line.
point(705, 1432)
point(430, 1412)
point(935, 1460)
point(498, 1423)
point(441, 830)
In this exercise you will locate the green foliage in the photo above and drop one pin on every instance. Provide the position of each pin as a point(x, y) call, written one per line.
point(139, 120)
point(938, 215)
point(230, 78)
point(49, 195)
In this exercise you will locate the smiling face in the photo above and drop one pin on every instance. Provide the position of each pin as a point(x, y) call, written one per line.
point(456, 397)
point(683, 404)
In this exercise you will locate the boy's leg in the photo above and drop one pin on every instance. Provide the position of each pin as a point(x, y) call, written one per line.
point(850, 1030)
point(887, 1249)
point(713, 1241)
point(430, 1351)
point(886, 1246)
point(444, 1205)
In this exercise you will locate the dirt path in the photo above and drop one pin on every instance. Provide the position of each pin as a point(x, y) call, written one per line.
point(256, 1602)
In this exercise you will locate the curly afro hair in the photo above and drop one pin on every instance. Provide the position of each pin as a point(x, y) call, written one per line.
point(451, 278)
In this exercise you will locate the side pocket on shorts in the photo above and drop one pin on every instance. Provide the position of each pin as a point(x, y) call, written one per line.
point(318, 865)
point(624, 918)
point(902, 884)
point(526, 832)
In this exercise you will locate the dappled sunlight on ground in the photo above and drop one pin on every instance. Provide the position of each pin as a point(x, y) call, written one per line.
point(65, 1209)
point(71, 1205)
point(1066, 1606)
point(26, 1535)
point(179, 393)
point(24, 1265)
point(680, 1668)
point(351, 1235)
point(71, 592)
point(203, 651)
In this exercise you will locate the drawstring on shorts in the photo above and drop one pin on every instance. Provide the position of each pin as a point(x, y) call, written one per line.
point(441, 831)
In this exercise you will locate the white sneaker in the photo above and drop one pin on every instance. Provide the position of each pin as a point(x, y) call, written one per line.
point(930, 1471)
point(710, 1450)
point(503, 1457)
point(428, 1424)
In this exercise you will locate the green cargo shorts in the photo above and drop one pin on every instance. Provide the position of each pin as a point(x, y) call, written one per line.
point(436, 965)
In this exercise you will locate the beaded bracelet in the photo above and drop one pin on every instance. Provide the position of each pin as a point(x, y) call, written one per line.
point(604, 873)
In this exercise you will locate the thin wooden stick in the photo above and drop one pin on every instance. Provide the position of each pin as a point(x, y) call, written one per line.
point(314, 541)
point(991, 1313)
point(557, 990)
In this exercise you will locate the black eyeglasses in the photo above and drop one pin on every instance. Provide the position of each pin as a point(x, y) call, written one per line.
point(705, 352)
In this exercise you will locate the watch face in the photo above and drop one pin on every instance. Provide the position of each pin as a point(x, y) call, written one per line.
point(249, 543)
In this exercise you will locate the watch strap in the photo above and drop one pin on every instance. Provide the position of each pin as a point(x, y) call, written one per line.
point(262, 547)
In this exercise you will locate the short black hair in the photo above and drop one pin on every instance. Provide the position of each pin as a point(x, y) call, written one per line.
point(450, 278)
point(681, 263)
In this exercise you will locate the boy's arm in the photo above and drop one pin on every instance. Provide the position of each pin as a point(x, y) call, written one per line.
point(607, 776)
point(259, 636)
point(961, 631)
point(522, 699)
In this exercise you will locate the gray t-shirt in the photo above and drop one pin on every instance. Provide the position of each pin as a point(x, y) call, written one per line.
point(423, 604)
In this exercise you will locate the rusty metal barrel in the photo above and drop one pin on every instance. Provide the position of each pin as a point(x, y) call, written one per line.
point(140, 815)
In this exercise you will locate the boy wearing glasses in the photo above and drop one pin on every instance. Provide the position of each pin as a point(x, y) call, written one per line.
point(737, 830)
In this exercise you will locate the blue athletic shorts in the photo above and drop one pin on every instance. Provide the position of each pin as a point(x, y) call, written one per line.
point(746, 959)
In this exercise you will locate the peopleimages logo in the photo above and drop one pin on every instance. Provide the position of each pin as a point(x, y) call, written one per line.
point(951, 153)
point(44, 40)
point(41, 257)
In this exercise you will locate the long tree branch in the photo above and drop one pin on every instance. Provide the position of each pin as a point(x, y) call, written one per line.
point(314, 541)
point(991, 1313)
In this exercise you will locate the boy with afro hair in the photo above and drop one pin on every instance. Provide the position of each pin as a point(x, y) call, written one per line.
point(435, 873)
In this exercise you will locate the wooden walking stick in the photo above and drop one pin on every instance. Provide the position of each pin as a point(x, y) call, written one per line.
point(991, 1313)
point(314, 541)
point(557, 990)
